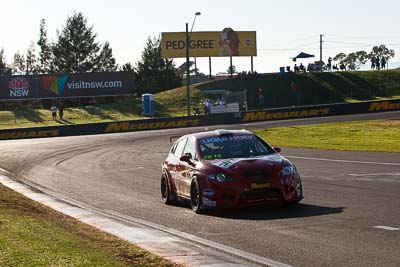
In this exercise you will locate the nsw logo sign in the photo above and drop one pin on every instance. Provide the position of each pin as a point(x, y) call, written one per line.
point(19, 87)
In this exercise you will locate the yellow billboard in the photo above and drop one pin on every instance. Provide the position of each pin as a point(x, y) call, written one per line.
point(209, 44)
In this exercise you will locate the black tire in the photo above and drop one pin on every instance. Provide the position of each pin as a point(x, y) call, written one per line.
point(165, 190)
point(295, 203)
point(195, 197)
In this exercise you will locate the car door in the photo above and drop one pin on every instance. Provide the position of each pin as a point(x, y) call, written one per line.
point(185, 175)
point(177, 166)
point(170, 165)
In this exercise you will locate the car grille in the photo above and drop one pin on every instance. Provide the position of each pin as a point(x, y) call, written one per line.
point(257, 176)
point(261, 194)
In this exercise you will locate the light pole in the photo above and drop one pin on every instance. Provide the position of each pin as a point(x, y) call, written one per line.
point(187, 62)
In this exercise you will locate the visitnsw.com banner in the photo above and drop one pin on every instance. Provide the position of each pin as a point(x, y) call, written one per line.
point(209, 44)
point(94, 84)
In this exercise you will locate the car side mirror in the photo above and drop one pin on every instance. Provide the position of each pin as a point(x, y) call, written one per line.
point(187, 157)
point(277, 149)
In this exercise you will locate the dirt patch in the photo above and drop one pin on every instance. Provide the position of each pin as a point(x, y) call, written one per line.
point(395, 123)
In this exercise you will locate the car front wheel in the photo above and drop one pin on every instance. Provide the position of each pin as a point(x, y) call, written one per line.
point(195, 197)
point(165, 190)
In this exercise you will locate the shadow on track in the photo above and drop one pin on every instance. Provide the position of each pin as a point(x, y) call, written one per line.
point(276, 212)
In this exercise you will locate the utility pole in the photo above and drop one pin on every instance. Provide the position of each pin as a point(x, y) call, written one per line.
point(187, 44)
point(320, 51)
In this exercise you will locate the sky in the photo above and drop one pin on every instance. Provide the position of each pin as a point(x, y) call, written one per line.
point(284, 28)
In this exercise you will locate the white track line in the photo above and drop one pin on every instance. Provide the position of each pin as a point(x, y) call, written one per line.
point(373, 174)
point(346, 161)
point(388, 228)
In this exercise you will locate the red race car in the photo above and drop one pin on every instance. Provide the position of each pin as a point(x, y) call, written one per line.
point(226, 169)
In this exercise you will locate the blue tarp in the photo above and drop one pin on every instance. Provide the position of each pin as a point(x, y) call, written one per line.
point(304, 55)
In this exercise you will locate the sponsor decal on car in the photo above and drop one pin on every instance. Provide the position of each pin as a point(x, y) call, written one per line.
point(260, 186)
point(225, 138)
point(226, 163)
point(207, 202)
point(268, 115)
point(208, 192)
point(298, 190)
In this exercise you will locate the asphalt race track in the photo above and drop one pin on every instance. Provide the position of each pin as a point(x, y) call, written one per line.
point(350, 215)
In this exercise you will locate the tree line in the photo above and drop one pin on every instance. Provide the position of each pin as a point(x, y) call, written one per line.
point(77, 49)
point(379, 58)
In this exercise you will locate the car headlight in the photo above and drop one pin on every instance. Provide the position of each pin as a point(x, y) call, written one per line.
point(288, 170)
point(220, 177)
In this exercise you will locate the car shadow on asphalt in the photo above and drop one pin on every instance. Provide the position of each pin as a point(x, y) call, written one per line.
point(276, 212)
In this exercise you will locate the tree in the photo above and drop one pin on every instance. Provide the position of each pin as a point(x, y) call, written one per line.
point(19, 64)
point(153, 73)
point(31, 61)
point(45, 61)
point(4, 69)
point(339, 57)
point(105, 61)
point(182, 68)
point(127, 67)
point(76, 49)
point(379, 52)
point(352, 61)
point(25, 64)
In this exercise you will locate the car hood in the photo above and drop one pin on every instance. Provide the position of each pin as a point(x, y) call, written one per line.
point(248, 166)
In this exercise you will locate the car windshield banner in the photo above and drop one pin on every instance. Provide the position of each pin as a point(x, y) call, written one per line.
point(66, 85)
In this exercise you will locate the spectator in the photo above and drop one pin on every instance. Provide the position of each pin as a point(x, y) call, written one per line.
point(218, 102)
point(54, 112)
point(296, 69)
point(302, 68)
point(377, 63)
point(260, 96)
point(207, 104)
point(329, 66)
point(293, 93)
point(383, 63)
point(61, 111)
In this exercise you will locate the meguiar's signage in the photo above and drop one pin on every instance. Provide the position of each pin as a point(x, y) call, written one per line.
point(384, 106)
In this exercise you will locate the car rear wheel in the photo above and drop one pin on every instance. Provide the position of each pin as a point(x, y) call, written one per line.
point(165, 191)
point(195, 197)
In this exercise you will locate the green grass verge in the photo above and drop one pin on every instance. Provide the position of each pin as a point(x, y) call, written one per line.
point(34, 235)
point(379, 135)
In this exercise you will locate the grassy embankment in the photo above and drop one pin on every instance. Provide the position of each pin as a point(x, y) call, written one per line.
point(315, 88)
point(34, 235)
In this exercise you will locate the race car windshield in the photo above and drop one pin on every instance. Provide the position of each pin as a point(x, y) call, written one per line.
point(239, 146)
